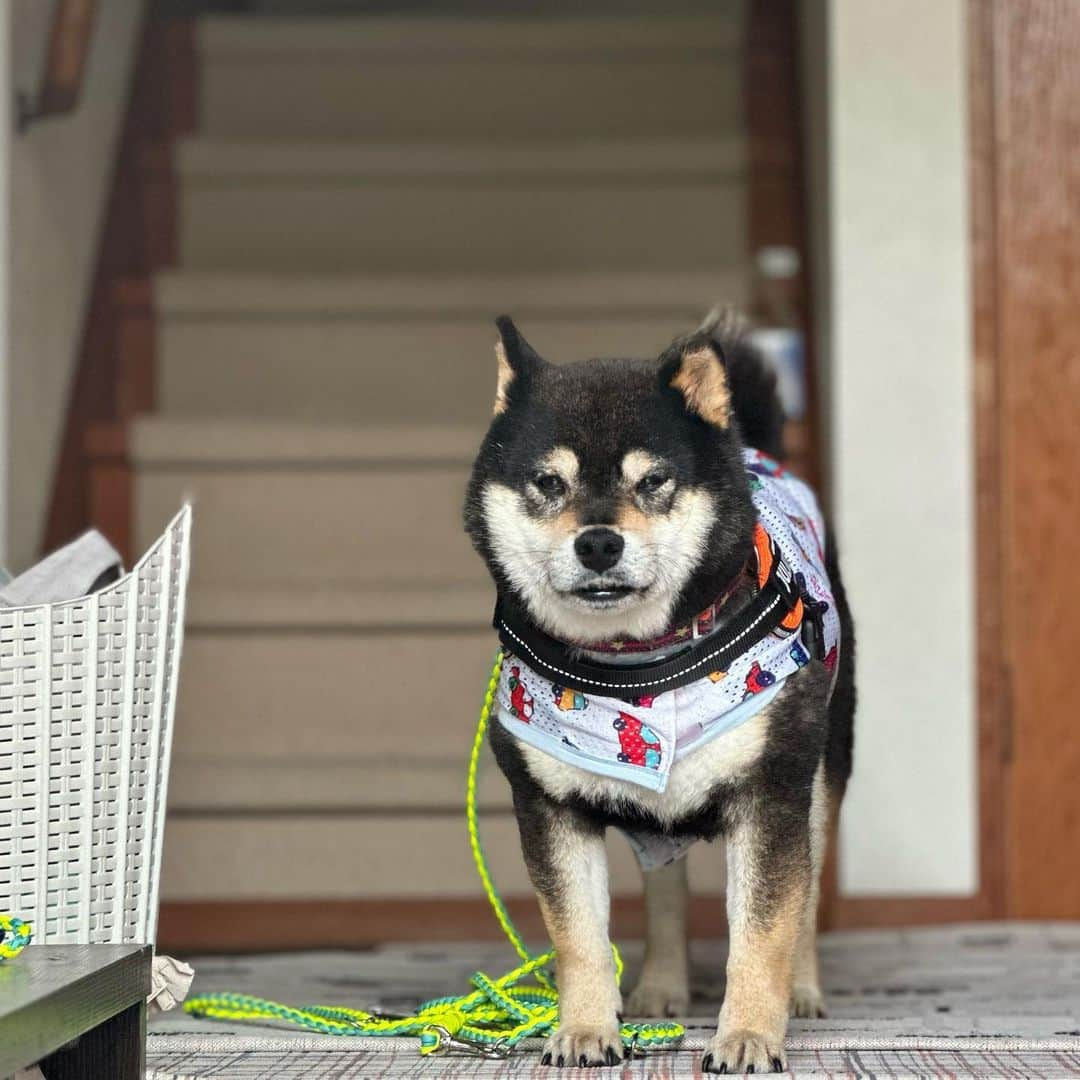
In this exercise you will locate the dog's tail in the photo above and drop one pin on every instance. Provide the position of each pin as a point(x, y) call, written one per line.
point(753, 384)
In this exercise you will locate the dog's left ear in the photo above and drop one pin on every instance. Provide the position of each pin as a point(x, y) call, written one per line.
point(696, 368)
point(518, 362)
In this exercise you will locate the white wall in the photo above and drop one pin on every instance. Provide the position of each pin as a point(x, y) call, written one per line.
point(59, 175)
point(897, 314)
point(6, 108)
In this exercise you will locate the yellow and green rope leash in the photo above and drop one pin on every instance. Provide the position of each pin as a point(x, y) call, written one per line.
point(489, 1021)
point(14, 936)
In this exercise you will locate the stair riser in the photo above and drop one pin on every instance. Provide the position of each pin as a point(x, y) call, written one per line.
point(353, 697)
point(322, 784)
point(363, 526)
point(441, 100)
point(367, 856)
point(416, 370)
point(467, 228)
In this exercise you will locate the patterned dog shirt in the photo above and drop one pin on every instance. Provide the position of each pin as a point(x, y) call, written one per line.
point(639, 738)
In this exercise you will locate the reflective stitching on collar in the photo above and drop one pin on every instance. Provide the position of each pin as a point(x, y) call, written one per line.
point(646, 682)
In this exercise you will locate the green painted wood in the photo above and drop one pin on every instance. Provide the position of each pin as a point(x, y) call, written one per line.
point(53, 994)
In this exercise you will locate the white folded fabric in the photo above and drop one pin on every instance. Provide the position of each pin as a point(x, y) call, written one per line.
point(66, 574)
point(170, 981)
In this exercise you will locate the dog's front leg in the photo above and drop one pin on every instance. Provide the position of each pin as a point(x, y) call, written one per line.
point(567, 863)
point(767, 893)
point(664, 986)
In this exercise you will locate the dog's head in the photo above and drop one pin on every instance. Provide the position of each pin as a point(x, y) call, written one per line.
point(609, 496)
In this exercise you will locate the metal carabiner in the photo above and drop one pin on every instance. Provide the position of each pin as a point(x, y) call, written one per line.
point(448, 1041)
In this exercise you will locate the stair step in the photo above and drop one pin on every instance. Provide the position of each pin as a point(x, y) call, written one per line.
point(377, 350)
point(168, 442)
point(409, 694)
point(651, 205)
point(284, 701)
point(292, 503)
point(367, 855)
point(186, 295)
point(314, 607)
point(217, 161)
point(467, 77)
point(313, 784)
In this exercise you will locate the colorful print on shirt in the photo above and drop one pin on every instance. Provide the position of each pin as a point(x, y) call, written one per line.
point(610, 737)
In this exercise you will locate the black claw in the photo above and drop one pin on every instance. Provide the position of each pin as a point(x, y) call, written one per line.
point(559, 1061)
point(750, 1069)
point(546, 1059)
point(611, 1056)
point(777, 1065)
point(706, 1062)
point(723, 1067)
point(582, 1061)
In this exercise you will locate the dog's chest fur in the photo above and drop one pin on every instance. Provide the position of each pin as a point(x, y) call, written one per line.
point(726, 760)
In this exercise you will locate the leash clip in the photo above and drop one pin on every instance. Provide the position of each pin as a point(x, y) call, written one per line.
point(813, 624)
point(448, 1041)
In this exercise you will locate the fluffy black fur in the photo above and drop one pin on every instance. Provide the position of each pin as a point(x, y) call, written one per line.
point(758, 411)
point(602, 409)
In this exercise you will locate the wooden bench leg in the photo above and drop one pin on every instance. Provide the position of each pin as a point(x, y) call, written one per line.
point(115, 1049)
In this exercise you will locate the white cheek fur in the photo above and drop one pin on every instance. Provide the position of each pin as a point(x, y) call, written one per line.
point(541, 565)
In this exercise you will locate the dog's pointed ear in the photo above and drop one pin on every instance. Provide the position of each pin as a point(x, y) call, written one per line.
point(518, 362)
point(696, 368)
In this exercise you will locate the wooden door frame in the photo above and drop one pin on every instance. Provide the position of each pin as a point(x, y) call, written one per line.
point(1026, 193)
point(993, 691)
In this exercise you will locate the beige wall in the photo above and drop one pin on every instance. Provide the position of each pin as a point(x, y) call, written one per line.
point(6, 107)
point(59, 175)
point(888, 109)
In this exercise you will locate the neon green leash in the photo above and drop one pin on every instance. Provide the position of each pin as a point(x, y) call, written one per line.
point(14, 936)
point(491, 1020)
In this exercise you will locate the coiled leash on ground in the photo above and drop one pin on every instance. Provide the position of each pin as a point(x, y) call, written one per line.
point(14, 936)
point(488, 1022)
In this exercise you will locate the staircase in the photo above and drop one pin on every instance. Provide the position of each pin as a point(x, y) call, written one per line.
point(360, 197)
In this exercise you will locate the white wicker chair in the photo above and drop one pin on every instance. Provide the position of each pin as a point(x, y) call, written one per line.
point(87, 698)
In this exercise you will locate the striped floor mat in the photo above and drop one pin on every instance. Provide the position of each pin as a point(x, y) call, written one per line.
point(987, 1000)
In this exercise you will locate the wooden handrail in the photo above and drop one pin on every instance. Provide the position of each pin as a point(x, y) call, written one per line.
point(65, 63)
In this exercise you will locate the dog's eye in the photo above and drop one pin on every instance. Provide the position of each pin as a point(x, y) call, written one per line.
point(551, 484)
point(653, 482)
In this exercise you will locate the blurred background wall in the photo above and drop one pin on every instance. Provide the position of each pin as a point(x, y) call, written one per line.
point(60, 171)
point(895, 236)
point(256, 265)
point(6, 113)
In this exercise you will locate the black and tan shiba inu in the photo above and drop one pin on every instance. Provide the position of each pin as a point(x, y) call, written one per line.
point(619, 507)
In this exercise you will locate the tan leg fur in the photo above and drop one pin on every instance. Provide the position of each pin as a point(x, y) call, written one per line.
point(664, 986)
point(576, 916)
point(754, 1016)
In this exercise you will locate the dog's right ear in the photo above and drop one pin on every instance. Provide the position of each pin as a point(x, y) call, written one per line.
point(517, 359)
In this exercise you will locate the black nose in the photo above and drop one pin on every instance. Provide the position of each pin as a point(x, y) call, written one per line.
point(599, 549)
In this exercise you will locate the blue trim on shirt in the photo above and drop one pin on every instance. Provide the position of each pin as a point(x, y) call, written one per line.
point(745, 710)
point(651, 779)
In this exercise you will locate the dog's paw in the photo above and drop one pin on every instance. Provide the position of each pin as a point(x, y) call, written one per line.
point(744, 1052)
point(807, 1001)
point(659, 997)
point(582, 1045)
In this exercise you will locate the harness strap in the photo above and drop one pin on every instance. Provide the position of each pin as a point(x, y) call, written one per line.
point(777, 605)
